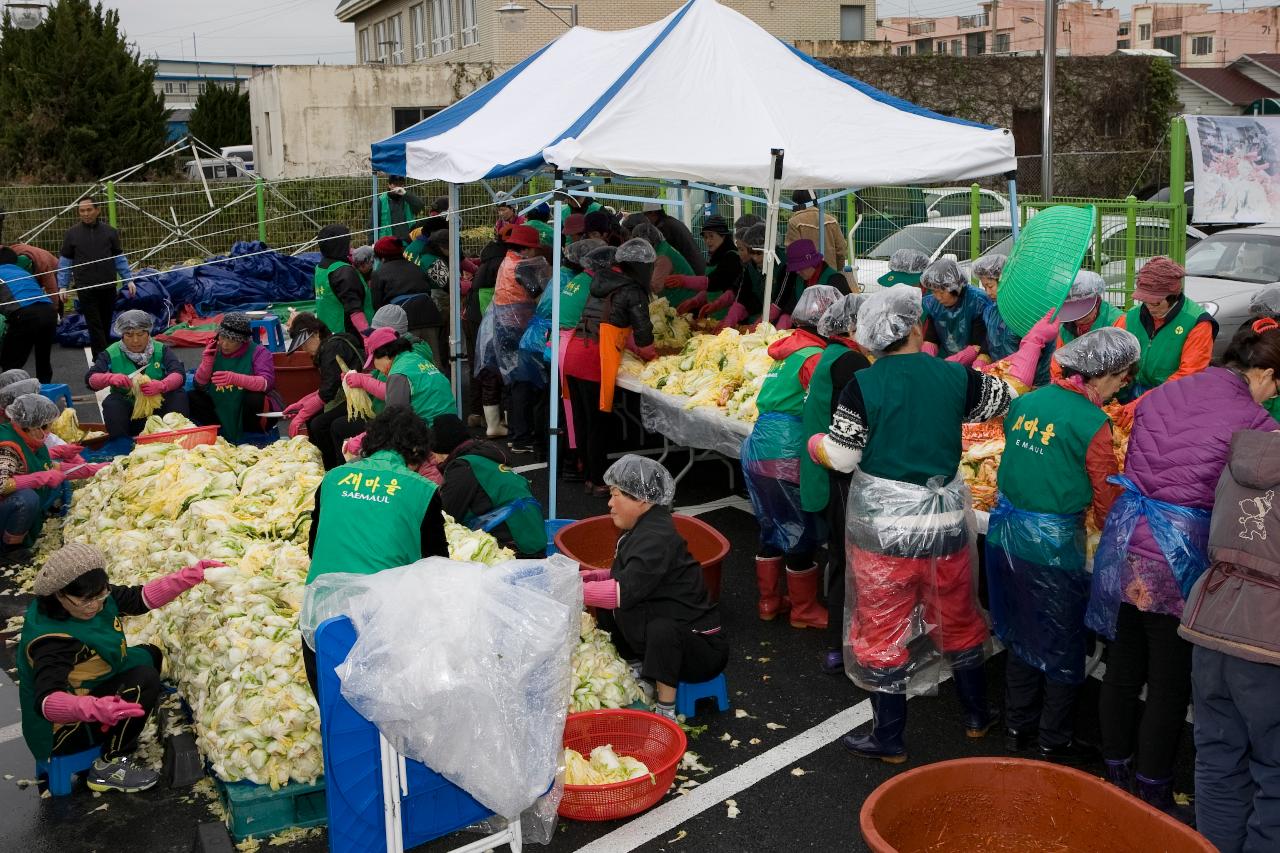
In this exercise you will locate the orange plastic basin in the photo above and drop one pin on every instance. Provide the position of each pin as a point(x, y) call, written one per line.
point(1013, 805)
point(592, 542)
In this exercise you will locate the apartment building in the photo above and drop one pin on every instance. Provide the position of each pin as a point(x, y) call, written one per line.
point(1007, 28)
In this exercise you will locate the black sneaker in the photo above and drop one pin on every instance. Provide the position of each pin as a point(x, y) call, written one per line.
point(1020, 741)
point(120, 774)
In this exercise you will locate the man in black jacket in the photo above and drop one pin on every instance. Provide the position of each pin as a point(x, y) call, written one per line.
point(653, 599)
point(91, 255)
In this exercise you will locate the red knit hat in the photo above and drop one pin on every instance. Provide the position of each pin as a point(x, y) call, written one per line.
point(388, 248)
point(1158, 278)
point(523, 235)
point(575, 224)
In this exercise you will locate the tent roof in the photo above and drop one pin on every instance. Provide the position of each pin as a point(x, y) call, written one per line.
point(703, 94)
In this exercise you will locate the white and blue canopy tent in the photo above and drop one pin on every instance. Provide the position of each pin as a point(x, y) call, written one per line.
point(702, 98)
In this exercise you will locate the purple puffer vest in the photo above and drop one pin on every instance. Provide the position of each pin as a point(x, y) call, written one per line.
point(1182, 439)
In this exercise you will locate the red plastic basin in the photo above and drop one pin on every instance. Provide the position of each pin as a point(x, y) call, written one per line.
point(592, 542)
point(1013, 805)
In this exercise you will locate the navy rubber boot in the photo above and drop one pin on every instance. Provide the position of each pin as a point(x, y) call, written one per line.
point(971, 687)
point(888, 725)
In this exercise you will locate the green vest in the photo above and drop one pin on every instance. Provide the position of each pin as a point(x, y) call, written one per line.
point(1047, 434)
point(120, 363)
point(915, 404)
point(420, 346)
point(228, 401)
point(432, 394)
point(104, 634)
point(679, 266)
point(815, 482)
point(1107, 316)
point(1273, 407)
point(35, 460)
point(371, 513)
point(546, 233)
point(329, 309)
point(573, 298)
point(386, 228)
point(1162, 353)
point(565, 212)
point(416, 251)
point(504, 486)
point(781, 391)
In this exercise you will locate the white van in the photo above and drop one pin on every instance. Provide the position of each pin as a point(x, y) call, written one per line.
point(244, 152)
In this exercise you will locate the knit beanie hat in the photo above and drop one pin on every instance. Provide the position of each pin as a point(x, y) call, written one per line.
point(65, 565)
point(234, 326)
point(447, 433)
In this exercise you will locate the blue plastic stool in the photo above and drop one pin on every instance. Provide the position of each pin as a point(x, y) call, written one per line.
point(57, 392)
point(61, 769)
point(687, 695)
point(268, 331)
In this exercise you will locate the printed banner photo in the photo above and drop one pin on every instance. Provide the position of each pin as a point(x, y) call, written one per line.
point(1236, 164)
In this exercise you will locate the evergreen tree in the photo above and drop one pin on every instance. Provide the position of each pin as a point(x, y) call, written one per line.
point(76, 101)
point(221, 117)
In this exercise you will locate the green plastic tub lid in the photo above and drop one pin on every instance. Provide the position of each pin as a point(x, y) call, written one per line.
point(1043, 264)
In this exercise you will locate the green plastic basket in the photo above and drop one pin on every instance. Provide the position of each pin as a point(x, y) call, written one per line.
point(1043, 264)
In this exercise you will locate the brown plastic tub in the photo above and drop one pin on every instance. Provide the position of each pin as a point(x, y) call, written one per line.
point(1013, 805)
point(592, 542)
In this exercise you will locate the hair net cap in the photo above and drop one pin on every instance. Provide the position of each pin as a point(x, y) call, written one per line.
point(887, 316)
point(989, 266)
point(1102, 351)
point(31, 410)
point(649, 233)
point(133, 320)
point(599, 259)
point(636, 251)
point(578, 250)
point(1087, 285)
point(842, 317)
point(9, 377)
point(754, 237)
point(362, 254)
point(813, 303)
point(908, 260)
point(1265, 302)
point(391, 317)
point(14, 390)
point(943, 274)
point(642, 478)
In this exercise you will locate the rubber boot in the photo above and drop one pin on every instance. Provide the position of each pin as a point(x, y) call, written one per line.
point(1120, 773)
point(806, 610)
point(768, 578)
point(888, 725)
point(1158, 793)
point(971, 687)
point(493, 422)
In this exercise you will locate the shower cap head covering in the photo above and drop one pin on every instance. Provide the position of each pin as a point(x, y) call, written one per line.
point(31, 410)
point(887, 316)
point(133, 320)
point(1100, 352)
point(813, 303)
point(642, 478)
point(943, 274)
point(842, 317)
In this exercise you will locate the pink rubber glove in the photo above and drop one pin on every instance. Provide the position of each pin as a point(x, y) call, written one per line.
point(692, 304)
point(168, 385)
point(375, 387)
point(721, 302)
point(816, 452)
point(351, 447)
point(39, 479)
point(929, 348)
point(784, 322)
point(775, 314)
point(119, 380)
point(64, 452)
point(153, 388)
point(600, 594)
point(205, 369)
point(648, 353)
point(688, 282)
point(737, 313)
point(1044, 331)
point(83, 470)
point(965, 356)
point(302, 411)
point(62, 707)
point(596, 575)
point(1022, 364)
point(358, 320)
point(161, 591)
point(246, 381)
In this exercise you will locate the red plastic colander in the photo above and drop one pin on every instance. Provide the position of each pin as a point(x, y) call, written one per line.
point(653, 739)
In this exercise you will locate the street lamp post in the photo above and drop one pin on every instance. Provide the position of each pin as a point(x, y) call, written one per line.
point(26, 16)
point(1046, 138)
point(511, 9)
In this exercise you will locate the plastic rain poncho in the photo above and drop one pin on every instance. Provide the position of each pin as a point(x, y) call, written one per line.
point(498, 341)
point(842, 317)
point(887, 316)
point(1100, 352)
point(30, 411)
point(642, 478)
point(813, 303)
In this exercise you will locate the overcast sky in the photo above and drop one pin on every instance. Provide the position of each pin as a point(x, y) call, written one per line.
point(306, 31)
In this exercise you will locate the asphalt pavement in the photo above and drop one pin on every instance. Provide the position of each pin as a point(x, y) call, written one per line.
point(778, 777)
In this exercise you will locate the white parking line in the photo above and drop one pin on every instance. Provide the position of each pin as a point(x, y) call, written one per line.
point(11, 732)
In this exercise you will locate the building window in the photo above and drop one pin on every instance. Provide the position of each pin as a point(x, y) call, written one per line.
point(418, 31)
point(1201, 45)
point(975, 44)
point(853, 23)
point(468, 8)
point(1002, 42)
point(1123, 29)
point(957, 47)
point(904, 50)
point(200, 88)
point(1173, 44)
point(1122, 44)
point(396, 37)
point(168, 88)
point(403, 118)
point(182, 88)
point(1144, 32)
point(366, 49)
point(380, 41)
point(441, 26)
point(940, 47)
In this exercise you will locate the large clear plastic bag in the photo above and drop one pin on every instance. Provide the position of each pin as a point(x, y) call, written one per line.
point(771, 467)
point(703, 427)
point(1038, 588)
point(911, 591)
point(1182, 533)
point(465, 668)
point(498, 340)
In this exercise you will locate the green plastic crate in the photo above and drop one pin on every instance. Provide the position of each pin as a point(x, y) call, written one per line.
point(258, 810)
point(1043, 264)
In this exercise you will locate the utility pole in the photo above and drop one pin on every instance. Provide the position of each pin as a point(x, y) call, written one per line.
point(1046, 135)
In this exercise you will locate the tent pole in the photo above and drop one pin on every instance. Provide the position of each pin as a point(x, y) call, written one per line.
point(553, 451)
point(455, 296)
point(770, 232)
point(737, 206)
point(1013, 203)
point(686, 205)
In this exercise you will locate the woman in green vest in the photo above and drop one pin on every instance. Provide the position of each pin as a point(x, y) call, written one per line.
point(412, 381)
point(669, 262)
point(805, 268)
point(320, 411)
point(29, 477)
point(1086, 309)
point(377, 512)
point(720, 285)
point(480, 488)
point(343, 301)
point(1175, 333)
point(136, 351)
point(574, 292)
point(1057, 458)
point(824, 492)
point(80, 684)
point(789, 535)
point(234, 382)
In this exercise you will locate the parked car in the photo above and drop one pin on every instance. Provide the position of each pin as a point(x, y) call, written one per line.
point(938, 237)
point(243, 152)
point(885, 210)
point(1226, 269)
point(943, 202)
point(216, 169)
point(1189, 196)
